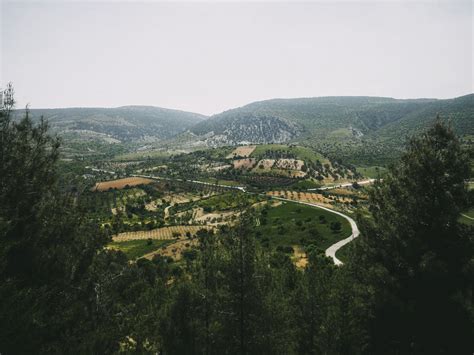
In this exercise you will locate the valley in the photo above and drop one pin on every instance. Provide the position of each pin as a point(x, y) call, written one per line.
point(153, 190)
point(159, 205)
point(236, 177)
point(361, 131)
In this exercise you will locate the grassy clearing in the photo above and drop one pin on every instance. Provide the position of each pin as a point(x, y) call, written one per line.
point(304, 153)
point(372, 172)
point(228, 201)
point(305, 184)
point(293, 224)
point(134, 249)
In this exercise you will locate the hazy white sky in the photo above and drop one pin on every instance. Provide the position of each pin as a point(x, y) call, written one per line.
point(209, 57)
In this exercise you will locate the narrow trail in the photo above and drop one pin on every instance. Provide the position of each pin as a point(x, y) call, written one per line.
point(465, 215)
point(331, 251)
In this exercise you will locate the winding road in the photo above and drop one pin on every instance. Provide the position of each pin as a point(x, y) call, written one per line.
point(331, 251)
point(465, 215)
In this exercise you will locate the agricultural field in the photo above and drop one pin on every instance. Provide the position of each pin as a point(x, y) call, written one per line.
point(121, 183)
point(229, 201)
point(243, 152)
point(288, 151)
point(309, 197)
point(248, 163)
point(289, 225)
point(291, 164)
point(340, 199)
point(165, 233)
point(142, 213)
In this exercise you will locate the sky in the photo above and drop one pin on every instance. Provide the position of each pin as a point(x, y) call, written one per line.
point(208, 57)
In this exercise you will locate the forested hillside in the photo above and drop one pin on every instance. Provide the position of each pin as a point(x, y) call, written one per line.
point(360, 130)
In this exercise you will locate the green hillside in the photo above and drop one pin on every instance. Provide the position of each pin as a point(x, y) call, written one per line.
point(124, 124)
point(358, 130)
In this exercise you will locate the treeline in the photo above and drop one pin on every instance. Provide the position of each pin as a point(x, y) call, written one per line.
point(406, 289)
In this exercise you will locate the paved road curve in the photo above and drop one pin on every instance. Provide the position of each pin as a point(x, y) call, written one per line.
point(331, 251)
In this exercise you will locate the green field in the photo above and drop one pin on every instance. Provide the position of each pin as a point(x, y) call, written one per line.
point(295, 224)
point(137, 248)
point(305, 184)
point(372, 172)
point(303, 153)
point(228, 201)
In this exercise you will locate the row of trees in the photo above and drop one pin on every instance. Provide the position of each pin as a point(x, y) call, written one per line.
point(407, 288)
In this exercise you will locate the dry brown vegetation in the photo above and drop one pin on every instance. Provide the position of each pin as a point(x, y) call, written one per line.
point(300, 259)
point(302, 197)
point(243, 151)
point(121, 183)
point(293, 164)
point(265, 164)
point(165, 233)
point(248, 163)
point(174, 250)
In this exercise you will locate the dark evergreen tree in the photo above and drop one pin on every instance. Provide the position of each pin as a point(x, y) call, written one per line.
point(49, 299)
point(414, 257)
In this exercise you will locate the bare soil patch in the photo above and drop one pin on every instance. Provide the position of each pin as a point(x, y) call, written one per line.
point(247, 163)
point(243, 151)
point(265, 164)
point(121, 183)
point(291, 164)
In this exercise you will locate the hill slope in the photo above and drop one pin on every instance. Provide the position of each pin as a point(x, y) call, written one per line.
point(356, 129)
point(125, 124)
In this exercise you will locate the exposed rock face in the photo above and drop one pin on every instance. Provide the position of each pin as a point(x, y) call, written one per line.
point(248, 129)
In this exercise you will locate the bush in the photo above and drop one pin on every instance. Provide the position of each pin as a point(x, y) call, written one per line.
point(336, 226)
point(285, 249)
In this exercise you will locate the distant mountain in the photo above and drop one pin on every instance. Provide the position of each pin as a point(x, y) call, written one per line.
point(342, 127)
point(358, 130)
point(124, 124)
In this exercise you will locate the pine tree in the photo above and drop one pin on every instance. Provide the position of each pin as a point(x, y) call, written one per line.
point(415, 255)
point(47, 250)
